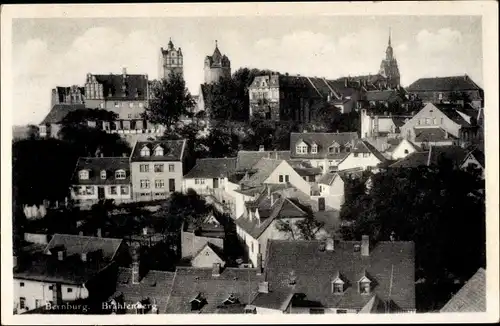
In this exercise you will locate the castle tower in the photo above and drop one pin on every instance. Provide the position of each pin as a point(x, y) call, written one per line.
point(216, 66)
point(389, 66)
point(171, 61)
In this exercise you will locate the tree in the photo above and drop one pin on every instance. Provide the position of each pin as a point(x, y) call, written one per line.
point(170, 101)
point(304, 229)
point(459, 97)
point(33, 132)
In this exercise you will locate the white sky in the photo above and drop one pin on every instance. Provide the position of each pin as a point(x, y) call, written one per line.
point(59, 52)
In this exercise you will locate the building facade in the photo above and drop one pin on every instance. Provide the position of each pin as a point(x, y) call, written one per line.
point(156, 169)
point(216, 66)
point(171, 61)
point(68, 95)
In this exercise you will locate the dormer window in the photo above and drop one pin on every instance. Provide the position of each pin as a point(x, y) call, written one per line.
point(145, 151)
point(292, 278)
point(338, 287)
point(159, 151)
point(103, 175)
point(120, 175)
point(364, 285)
point(198, 302)
point(314, 149)
point(83, 175)
point(232, 299)
point(301, 149)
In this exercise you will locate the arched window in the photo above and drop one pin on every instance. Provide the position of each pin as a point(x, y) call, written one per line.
point(159, 151)
point(103, 175)
point(120, 175)
point(145, 151)
point(83, 175)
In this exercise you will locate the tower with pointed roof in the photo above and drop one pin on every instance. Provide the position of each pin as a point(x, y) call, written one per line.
point(216, 66)
point(389, 66)
point(171, 61)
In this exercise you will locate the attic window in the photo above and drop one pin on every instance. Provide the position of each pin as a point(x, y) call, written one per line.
point(103, 175)
point(120, 174)
point(145, 151)
point(159, 151)
point(364, 285)
point(231, 300)
point(333, 149)
point(292, 279)
point(338, 287)
point(83, 175)
point(314, 149)
point(198, 302)
point(357, 248)
point(301, 149)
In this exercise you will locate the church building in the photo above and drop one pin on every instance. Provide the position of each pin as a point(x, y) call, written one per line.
point(171, 60)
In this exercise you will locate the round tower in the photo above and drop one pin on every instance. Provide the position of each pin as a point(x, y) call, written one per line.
point(216, 66)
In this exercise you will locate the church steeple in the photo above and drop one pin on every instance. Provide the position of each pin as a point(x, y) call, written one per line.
point(389, 51)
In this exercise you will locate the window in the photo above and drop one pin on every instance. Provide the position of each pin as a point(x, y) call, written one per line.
point(418, 121)
point(22, 302)
point(21, 284)
point(427, 121)
point(145, 184)
point(251, 248)
point(316, 311)
point(442, 120)
point(314, 149)
point(160, 184)
point(38, 303)
point(124, 190)
point(366, 154)
point(434, 121)
point(141, 105)
point(171, 168)
point(301, 149)
point(341, 311)
point(281, 178)
point(120, 174)
point(199, 181)
point(145, 151)
point(144, 167)
point(406, 151)
point(131, 105)
point(130, 115)
point(348, 149)
point(355, 154)
point(287, 178)
point(158, 168)
point(70, 290)
point(440, 96)
point(83, 175)
point(113, 190)
point(103, 175)
point(101, 105)
point(364, 287)
point(337, 287)
point(51, 287)
point(159, 151)
point(117, 105)
point(171, 185)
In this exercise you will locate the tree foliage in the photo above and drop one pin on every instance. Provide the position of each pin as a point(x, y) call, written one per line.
point(170, 101)
point(303, 229)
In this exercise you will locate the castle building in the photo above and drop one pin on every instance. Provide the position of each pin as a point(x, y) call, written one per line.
point(389, 67)
point(216, 66)
point(171, 61)
point(68, 95)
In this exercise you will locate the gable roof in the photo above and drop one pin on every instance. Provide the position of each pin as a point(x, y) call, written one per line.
point(78, 244)
point(283, 207)
point(97, 164)
point(363, 146)
point(113, 86)
point(328, 178)
point(59, 112)
point(451, 83)
point(382, 95)
point(450, 111)
point(247, 159)
point(471, 297)
point(432, 135)
point(264, 168)
point(388, 264)
point(478, 155)
point(324, 140)
point(413, 160)
point(219, 252)
point(173, 150)
point(212, 168)
point(454, 153)
point(155, 286)
point(189, 282)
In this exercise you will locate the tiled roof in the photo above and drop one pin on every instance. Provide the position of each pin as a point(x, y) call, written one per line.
point(453, 83)
point(389, 266)
point(48, 268)
point(113, 86)
point(431, 135)
point(363, 146)
point(454, 153)
point(471, 297)
point(276, 300)
point(323, 140)
point(382, 96)
point(173, 150)
point(283, 207)
point(97, 164)
point(450, 110)
point(264, 168)
point(413, 160)
point(212, 168)
point(399, 120)
point(247, 159)
point(217, 250)
point(189, 282)
point(59, 112)
point(78, 244)
point(327, 178)
point(478, 155)
point(155, 286)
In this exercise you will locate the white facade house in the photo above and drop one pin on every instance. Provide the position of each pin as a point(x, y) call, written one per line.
point(364, 156)
point(403, 149)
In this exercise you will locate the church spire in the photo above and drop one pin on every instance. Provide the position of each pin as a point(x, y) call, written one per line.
point(389, 36)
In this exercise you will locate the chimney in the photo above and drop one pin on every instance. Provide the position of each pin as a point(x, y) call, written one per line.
point(145, 231)
point(80, 233)
point(99, 233)
point(264, 287)
point(56, 294)
point(259, 263)
point(135, 265)
point(61, 254)
point(275, 154)
point(261, 148)
point(216, 269)
point(330, 244)
point(83, 256)
point(465, 77)
point(124, 72)
point(365, 245)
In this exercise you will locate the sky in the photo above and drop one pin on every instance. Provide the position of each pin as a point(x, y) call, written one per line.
point(49, 52)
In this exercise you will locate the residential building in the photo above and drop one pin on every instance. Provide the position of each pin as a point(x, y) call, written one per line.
point(448, 90)
point(381, 125)
point(68, 95)
point(442, 124)
point(362, 155)
point(341, 276)
point(216, 66)
point(194, 240)
point(260, 222)
point(388, 98)
point(99, 178)
point(208, 255)
point(51, 124)
point(331, 188)
point(245, 160)
point(214, 290)
point(471, 297)
point(400, 148)
point(156, 168)
point(70, 268)
point(171, 61)
point(322, 150)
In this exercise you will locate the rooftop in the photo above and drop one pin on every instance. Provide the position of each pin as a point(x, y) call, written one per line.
point(212, 168)
point(247, 159)
point(450, 83)
point(59, 112)
point(471, 297)
point(323, 141)
point(95, 165)
point(173, 150)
